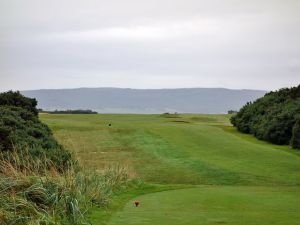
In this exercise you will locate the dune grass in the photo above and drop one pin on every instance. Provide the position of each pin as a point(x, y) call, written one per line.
point(34, 191)
point(186, 150)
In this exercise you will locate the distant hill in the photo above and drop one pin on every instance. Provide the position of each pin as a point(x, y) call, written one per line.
point(119, 100)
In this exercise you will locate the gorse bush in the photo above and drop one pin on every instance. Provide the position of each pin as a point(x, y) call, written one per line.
point(11, 98)
point(20, 129)
point(273, 117)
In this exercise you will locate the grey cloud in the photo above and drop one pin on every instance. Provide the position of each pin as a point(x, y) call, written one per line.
point(149, 44)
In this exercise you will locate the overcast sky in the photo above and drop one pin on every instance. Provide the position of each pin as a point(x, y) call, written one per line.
point(149, 44)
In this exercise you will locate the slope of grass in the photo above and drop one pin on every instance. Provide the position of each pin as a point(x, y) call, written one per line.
point(246, 181)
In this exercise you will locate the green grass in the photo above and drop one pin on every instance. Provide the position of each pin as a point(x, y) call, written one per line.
point(120, 198)
point(214, 205)
point(186, 150)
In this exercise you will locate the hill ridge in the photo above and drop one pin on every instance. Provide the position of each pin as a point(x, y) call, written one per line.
point(145, 101)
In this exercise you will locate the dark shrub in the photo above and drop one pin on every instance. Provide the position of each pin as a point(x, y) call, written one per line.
point(271, 117)
point(21, 130)
point(11, 98)
point(295, 142)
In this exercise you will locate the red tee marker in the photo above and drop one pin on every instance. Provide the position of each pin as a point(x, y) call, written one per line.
point(136, 203)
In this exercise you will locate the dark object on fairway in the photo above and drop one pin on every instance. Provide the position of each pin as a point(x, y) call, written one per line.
point(136, 203)
point(109, 125)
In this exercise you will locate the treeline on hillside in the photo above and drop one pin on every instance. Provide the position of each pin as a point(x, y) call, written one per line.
point(70, 111)
point(274, 117)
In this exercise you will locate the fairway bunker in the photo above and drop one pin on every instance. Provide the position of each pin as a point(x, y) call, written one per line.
point(180, 121)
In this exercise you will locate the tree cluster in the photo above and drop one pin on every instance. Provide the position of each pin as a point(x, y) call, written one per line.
point(274, 117)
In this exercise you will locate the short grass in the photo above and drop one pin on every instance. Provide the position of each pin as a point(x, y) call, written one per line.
point(186, 150)
point(214, 205)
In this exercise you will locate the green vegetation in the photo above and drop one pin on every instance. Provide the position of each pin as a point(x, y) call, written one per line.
point(21, 130)
point(184, 169)
point(214, 205)
point(237, 179)
point(295, 141)
point(40, 182)
point(11, 98)
point(274, 118)
point(29, 196)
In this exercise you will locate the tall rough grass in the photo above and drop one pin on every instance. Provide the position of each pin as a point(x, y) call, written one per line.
point(33, 191)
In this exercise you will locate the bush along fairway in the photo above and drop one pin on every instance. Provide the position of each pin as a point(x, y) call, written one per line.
point(274, 117)
point(188, 169)
point(40, 181)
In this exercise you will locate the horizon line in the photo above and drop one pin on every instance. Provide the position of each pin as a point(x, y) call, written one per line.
point(110, 87)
